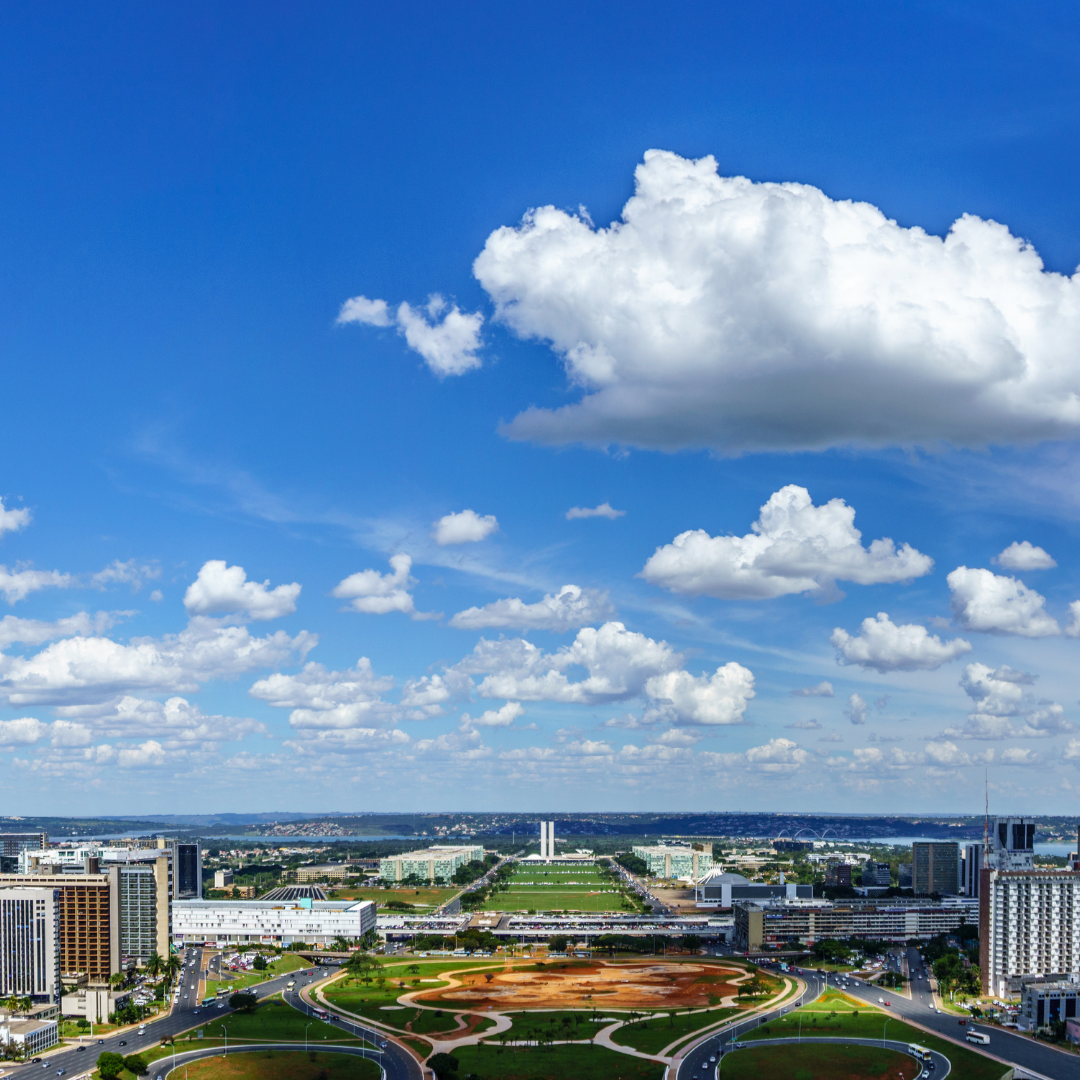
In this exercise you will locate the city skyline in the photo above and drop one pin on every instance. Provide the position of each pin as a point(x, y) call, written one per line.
point(416, 411)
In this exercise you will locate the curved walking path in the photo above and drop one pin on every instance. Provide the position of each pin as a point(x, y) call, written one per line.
point(447, 1042)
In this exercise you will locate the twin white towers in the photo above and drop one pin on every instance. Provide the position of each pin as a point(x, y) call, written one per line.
point(547, 839)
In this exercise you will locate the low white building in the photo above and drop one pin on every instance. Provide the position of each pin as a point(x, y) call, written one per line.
point(95, 1006)
point(269, 922)
point(28, 1036)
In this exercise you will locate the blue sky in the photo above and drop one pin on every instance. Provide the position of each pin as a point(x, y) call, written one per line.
point(210, 220)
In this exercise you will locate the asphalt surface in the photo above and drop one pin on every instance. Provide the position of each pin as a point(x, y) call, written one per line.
point(398, 1062)
point(1014, 1049)
point(697, 1064)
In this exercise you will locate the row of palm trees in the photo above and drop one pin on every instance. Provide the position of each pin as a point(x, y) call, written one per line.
point(15, 1004)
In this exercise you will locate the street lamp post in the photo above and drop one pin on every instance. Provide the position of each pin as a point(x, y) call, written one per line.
point(305, 1036)
point(226, 1030)
point(883, 1033)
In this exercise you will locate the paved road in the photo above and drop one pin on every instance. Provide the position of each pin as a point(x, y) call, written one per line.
point(1015, 1049)
point(696, 1063)
point(399, 1063)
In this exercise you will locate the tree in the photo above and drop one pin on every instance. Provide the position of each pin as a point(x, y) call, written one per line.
point(117, 979)
point(558, 943)
point(443, 1065)
point(243, 1002)
point(136, 1065)
point(259, 963)
point(154, 965)
point(110, 1065)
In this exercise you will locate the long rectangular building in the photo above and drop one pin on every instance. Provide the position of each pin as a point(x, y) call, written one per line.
point(675, 861)
point(783, 921)
point(432, 864)
point(267, 922)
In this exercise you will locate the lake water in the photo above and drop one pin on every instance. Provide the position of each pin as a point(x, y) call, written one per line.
point(907, 841)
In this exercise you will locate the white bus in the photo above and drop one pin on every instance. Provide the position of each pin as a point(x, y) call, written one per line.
point(978, 1037)
point(920, 1053)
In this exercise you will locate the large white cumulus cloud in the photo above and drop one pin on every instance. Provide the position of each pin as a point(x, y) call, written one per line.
point(742, 316)
point(795, 547)
point(883, 646)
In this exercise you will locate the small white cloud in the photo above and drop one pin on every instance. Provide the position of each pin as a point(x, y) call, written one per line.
point(19, 584)
point(448, 344)
point(379, 594)
point(493, 718)
point(132, 572)
point(884, 646)
point(224, 590)
point(604, 510)
point(722, 698)
point(147, 755)
point(832, 736)
point(467, 527)
point(12, 520)
point(66, 733)
point(856, 710)
point(823, 689)
point(795, 547)
point(1024, 556)
point(368, 312)
point(567, 609)
point(1005, 709)
point(804, 725)
point(993, 604)
point(1072, 629)
point(157, 596)
point(14, 630)
point(777, 755)
point(22, 732)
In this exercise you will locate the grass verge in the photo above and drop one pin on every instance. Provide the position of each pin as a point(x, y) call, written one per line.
point(553, 1063)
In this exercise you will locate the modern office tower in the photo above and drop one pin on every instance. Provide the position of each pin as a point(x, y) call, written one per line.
point(187, 870)
point(224, 878)
point(903, 872)
point(936, 868)
point(837, 874)
point(1012, 844)
point(11, 843)
point(30, 944)
point(1029, 925)
point(142, 909)
point(876, 873)
point(971, 864)
point(547, 839)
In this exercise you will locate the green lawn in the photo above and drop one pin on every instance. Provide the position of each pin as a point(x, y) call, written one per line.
point(272, 1019)
point(241, 980)
point(557, 1024)
point(278, 1065)
point(822, 1062)
point(650, 1036)
point(554, 1063)
point(422, 899)
point(557, 888)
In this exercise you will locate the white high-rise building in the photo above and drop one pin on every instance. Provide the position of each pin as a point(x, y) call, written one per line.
point(971, 864)
point(30, 943)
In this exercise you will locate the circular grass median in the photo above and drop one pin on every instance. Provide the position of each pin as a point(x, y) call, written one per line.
point(283, 1065)
point(821, 1061)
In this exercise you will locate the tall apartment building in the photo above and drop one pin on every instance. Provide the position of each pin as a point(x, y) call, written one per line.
point(143, 895)
point(1029, 926)
point(432, 864)
point(30, 943)
point(935, 867)
point(671, 861)
point(187, 870)
point(13, 843)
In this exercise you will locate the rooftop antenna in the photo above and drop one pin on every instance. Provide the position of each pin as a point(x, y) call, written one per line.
point(986, 820)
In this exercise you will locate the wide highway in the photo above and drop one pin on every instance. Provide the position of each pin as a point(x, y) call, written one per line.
point(398, 1062)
